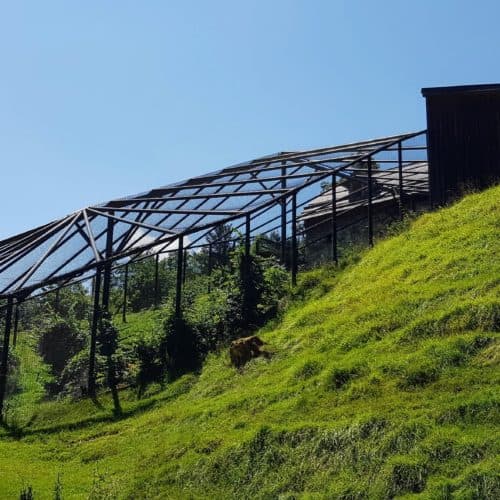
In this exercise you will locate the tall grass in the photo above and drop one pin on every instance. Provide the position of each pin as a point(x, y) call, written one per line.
point(383, 384)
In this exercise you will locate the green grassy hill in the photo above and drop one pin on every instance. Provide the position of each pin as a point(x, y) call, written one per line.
point(384, 383)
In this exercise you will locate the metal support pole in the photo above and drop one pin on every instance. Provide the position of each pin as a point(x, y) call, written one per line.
point(283, 216)
point(247, 239)
point(184, 266)
point(106, 283)
point(246, 273)
point(16, 323)
point(334, 220)
point(93, 334)
point(400, 179)
point(370, 201)
point(178, 288)
point(294, 239)
point(157, 280)
point(5, 353)
point(209, 268)
point(125, 295)
point(58, 300)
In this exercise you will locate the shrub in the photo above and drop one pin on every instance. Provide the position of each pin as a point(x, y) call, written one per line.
point(181, 346)
point(57, 345)
point(107, 342)
point(308, 369)
point(419, 376)
point(340, 376)
point(26, 493)
point(152, 364)
point(406, 476)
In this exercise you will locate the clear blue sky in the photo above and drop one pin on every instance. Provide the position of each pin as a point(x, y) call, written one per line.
point(100, 99)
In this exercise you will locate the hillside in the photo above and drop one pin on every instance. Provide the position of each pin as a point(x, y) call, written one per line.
point(383, 383)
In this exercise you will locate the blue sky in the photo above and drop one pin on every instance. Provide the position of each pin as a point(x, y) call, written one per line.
point(100, 99)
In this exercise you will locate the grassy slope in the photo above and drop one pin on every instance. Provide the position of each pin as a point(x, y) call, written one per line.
point(384, 383)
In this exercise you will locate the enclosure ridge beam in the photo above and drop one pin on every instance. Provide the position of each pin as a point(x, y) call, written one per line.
point(170, 211)
point(322, 151)
point(231, 194)
point(135, 223)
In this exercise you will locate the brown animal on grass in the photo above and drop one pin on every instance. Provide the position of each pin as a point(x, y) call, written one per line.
point(243, 350)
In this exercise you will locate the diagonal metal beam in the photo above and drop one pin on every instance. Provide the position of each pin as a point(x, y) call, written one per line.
point(22, 279)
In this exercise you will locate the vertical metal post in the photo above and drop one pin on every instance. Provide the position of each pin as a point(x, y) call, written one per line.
point(400, 178)
point(178, 288)
point(370, 201)
point(209, 267)
point(125, 295)
point(184, 266)
point(16, 323)
point(5, 353)
point(106, 283)
point(246, 273)
point(58, 300)
point(283, 216)
point(93, 333)
point(335, 256)
point(157, 281)
point(247, 239)
point(294, 239)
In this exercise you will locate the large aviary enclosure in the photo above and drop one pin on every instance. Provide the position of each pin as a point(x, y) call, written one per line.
point(261, 201)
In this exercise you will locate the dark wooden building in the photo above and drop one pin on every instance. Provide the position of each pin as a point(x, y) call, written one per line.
point(463, 139)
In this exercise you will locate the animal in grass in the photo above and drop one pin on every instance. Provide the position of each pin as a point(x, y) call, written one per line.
point(244, 349)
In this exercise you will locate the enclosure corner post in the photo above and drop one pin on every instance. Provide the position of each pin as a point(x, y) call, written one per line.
point(370, 201)
point(178, 287)
point(334, 220)
point(294, 239)
point(5, 353)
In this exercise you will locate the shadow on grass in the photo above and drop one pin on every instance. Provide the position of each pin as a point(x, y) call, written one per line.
point(109, 416)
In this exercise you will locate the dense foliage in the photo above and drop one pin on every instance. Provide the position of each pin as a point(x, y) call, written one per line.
point(236, 298)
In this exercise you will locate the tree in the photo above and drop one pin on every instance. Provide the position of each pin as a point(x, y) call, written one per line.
point(220, 241)
point(142, 281)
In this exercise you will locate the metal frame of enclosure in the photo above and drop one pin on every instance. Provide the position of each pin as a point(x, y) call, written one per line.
point(256, 197)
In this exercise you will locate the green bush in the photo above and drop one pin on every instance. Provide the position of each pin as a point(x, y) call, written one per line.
point(406, 476)
point(57, 344)
point(341, 376)
point(419, 376)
